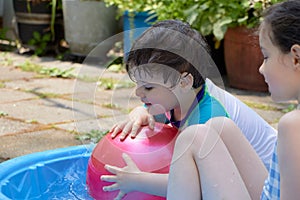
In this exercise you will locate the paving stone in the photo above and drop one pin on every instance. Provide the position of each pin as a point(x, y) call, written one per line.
point(123, 98)
point(11, 74)
point(21, 144)
point(9, 126)
point(259, 98)
point(49, 111)
point(44, 85)
point(94, 124)
point(11, 95)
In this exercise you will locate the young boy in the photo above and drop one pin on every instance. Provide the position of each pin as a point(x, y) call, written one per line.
point(170, 63)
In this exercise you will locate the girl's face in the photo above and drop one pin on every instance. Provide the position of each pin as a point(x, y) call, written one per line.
point(157, 95)
point(277, 69)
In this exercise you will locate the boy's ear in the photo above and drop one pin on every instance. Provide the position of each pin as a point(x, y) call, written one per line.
point(186, 81)
point(295, 51)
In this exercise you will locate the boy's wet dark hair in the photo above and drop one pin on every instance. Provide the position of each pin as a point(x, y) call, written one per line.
point(171, 44)
point(284, 22)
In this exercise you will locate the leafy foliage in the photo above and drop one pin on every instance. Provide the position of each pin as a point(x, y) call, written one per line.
point(40, 42)
point(206, 16)
point(56, 72)
point(215, 16)
point(135, 5)
point(52, 72)
point(110, 83)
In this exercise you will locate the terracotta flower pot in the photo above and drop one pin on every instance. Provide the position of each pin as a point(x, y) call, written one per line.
point(243, 59)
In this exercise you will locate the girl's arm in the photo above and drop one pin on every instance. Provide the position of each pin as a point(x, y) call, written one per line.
point(289, 155)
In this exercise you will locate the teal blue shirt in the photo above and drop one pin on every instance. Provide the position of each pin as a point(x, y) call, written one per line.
point(203, 108)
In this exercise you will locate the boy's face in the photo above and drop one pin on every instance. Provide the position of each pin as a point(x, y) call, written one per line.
point(155, 93)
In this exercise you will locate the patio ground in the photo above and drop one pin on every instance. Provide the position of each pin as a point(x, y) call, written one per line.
point(41, 110)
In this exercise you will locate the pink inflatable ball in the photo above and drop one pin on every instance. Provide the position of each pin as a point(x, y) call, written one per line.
point(151, 150)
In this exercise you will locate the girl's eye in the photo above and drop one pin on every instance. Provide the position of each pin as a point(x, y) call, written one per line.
point(265, 55)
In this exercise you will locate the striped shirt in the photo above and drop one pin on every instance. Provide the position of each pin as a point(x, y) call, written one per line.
point(271, 189)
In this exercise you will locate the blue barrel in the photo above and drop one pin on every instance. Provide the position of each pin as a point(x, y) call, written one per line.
point(134, 24)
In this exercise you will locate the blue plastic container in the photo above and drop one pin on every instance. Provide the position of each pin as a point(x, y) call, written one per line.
point(134, 26)
point(54, 174)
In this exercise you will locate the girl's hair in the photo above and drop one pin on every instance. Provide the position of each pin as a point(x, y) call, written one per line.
point(284, 20)
point(170, 44)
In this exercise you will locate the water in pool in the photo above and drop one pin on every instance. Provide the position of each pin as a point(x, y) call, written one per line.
point(70, 186)
point(63, 177)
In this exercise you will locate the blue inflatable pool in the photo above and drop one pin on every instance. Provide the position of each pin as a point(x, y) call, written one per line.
point(55, 174)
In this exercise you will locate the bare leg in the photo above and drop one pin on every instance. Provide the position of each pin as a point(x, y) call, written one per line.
point(184, 180)
point(201, 154)
point(250, 166)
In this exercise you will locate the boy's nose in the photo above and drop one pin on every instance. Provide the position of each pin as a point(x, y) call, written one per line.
point(139, 92)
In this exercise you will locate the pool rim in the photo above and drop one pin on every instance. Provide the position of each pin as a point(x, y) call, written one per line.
point(19, 164)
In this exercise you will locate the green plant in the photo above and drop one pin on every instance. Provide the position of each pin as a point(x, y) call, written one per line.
point(32, 121)
point(3, 32)
point(2, 84)
point(133, 6)
point(289, 108)
point(93, 135)
point(28, 66)
point(215, 16)
point(7, 61)
point(2, 113)
point(40, 42)
point(207, 16)
point(56, 72)
point(110, 83)
point(55, 5)
point(111, 105)
point(41, 39)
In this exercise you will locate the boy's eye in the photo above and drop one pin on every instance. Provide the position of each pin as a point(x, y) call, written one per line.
point(148, 87)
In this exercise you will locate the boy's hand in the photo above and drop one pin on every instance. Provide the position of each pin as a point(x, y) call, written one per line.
point(137, 117)
point(125, 178)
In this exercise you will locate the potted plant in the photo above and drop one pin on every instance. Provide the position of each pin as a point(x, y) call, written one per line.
point(39, 24)
point(235, 21)
point(242, 52)
point(217, 20)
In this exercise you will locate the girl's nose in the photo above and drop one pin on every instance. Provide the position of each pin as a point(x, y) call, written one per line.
point(261, 69)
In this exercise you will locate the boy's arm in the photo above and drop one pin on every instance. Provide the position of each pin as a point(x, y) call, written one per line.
point(130, 178)
point(138, 117)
